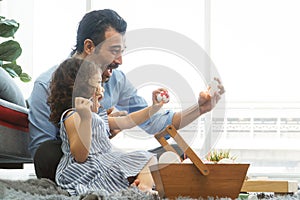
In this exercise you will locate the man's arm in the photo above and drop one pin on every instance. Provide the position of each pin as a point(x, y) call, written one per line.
point(40, 128)
point(130, 101)
point(206, 102)
point(185, 117)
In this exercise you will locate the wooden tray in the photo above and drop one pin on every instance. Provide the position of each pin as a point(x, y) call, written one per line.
point(195, 179)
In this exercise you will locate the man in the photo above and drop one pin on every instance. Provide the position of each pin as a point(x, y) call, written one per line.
point(100, 38)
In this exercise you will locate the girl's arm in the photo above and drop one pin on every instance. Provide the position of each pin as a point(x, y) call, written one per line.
point(79, 130)
point(138, 117)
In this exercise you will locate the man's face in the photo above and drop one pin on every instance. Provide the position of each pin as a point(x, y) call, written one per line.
point(108, 56)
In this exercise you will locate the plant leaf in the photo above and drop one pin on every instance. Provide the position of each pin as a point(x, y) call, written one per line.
point(25, 77)
point(10, 50)
point(8, 27)
point(14, 67)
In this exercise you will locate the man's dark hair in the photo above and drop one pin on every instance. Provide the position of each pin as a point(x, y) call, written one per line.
point(94, 24)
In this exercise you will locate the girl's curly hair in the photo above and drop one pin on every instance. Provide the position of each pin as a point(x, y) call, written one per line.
point(70, 80)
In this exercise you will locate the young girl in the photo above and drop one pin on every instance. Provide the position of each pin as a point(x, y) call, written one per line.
point(88, 163)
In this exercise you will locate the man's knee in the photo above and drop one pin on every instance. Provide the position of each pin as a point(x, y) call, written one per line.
point(46, 159)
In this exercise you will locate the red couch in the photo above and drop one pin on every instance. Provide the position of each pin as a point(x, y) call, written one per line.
point(14, 135)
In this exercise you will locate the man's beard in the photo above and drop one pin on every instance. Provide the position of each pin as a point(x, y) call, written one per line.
point(113, 66)
point(105, 79)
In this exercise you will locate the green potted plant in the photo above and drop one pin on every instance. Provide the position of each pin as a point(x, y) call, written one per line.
point(10, 49)
point(216, 156)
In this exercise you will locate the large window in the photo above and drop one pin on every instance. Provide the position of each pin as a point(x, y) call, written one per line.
point(253, 45)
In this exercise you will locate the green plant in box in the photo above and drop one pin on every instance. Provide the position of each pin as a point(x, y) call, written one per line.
point(10, 49)
point(216, 156)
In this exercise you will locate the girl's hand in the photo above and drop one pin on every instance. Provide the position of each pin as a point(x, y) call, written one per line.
point(83, 107)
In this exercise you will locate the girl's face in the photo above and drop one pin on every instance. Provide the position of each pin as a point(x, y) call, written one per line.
point(98, 93)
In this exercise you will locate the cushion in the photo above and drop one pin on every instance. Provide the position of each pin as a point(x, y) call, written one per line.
point(9, 90)
point(13, 116)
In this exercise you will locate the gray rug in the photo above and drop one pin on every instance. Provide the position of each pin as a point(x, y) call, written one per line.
point(44, 189)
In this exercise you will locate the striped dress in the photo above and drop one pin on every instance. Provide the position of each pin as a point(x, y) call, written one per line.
point(104, 169)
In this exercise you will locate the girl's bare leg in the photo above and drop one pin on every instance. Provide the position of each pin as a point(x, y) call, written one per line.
point(144, 180)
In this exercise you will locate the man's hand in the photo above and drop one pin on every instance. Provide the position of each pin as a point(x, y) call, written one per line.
point(110, 113)
point(207, 102)
point(221, 89)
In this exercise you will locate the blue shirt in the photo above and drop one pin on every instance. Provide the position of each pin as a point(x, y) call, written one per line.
point(119, 92)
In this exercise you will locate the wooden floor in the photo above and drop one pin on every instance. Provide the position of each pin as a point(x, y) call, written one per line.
point(268, 185)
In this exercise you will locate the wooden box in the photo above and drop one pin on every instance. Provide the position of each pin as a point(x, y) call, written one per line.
point(195, 179)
